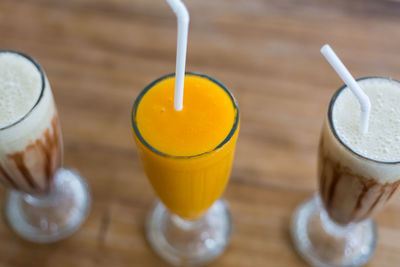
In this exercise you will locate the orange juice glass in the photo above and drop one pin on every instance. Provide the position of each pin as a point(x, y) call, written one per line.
point(187, 156)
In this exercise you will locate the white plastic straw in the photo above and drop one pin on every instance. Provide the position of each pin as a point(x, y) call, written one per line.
point(182, 16)
point(351, 83)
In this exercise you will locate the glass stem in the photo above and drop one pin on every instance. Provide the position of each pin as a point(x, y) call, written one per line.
point(47, 200)
point(330, 226)
point(185, 224)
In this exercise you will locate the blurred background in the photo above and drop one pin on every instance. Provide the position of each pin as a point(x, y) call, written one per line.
point(98, 55)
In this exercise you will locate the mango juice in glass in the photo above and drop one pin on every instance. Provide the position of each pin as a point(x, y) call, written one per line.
point(187, 156)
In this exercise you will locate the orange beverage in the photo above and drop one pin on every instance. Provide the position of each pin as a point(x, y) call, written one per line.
point(187, 155)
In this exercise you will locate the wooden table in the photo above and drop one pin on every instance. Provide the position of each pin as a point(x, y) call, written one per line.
point(99, 54)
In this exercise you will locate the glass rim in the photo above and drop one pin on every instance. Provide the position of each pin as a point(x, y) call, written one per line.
point(149, 86)
point(331, 124)
point(42, 77)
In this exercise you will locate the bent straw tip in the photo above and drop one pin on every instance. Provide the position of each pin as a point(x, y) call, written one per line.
point(180, 10)
point(325, 48)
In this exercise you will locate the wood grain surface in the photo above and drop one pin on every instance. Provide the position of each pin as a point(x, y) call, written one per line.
point(98, 55)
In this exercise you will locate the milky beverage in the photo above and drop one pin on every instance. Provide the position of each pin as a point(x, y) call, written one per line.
point(358, 173)
point(30, 138)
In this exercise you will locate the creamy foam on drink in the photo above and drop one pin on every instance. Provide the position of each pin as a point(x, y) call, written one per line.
point(382, 141)
point(20, 86)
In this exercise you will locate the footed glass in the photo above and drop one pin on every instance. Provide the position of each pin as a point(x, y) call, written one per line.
point(45, 202)
point(188, 225)
point(334, 228)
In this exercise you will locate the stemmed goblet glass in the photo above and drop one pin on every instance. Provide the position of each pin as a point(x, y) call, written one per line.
point(188, 224)
point(335, 228)
point(45, 202)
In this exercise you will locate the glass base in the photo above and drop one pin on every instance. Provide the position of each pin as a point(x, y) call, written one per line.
point(323, 243)
point(50, 218)
point(183, 242)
